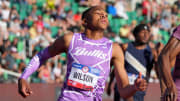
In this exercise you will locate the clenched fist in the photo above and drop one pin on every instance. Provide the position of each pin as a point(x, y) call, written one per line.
point(140, 84)
point(24, 88)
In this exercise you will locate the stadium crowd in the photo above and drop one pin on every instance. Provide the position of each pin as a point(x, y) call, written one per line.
point(27, 26)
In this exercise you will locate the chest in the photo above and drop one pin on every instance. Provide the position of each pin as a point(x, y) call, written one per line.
point(88, 53)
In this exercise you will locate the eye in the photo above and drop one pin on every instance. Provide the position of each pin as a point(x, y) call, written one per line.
point(98, 13)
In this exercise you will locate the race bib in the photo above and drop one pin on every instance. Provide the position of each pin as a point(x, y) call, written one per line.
point(132, 78)
point(83, 77)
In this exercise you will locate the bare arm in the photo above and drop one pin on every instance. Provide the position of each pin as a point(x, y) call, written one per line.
point(60, 45)
point(170, 51)
point(168, 54)
point(124, 47)
point(159, 46)
point(125, 89)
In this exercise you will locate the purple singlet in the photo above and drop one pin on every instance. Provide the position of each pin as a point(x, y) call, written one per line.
point(176, 74)
point(87, 69)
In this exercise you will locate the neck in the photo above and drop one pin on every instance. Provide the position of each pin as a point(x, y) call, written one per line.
point(139, 45)
point(94, 34)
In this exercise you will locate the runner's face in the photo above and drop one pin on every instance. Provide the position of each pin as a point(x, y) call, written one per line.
point(99, 19)
point(143, 36)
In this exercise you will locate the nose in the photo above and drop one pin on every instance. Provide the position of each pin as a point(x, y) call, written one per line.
point(103, 15)
point(146, 34)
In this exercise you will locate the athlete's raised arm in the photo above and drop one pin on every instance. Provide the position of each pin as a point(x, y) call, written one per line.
point(125, 89)
point(60, 45)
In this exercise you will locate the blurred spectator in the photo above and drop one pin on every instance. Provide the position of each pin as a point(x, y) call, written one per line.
point(120, 9)
point(94, 2)
point(175, 9)
point(125, 31)
point(13, 13)
point(155, 31)
point(166, 12)
point(146, 8)
point(45, 73)
point(165, 23)
point(77, 18)
point(111, 9)
point(177, 3)
point(34, 12)
point(5, 12)
point(15, 26)
point(3, 29)
point(24, 24)
point(57, 72)
point(39, 24)
point(155, 8)
point(21, 67)
point(10, 59)
point(50, 4)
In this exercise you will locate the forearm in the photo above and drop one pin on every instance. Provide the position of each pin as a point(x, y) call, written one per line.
point(162, 85)
point(167, 78)
point(129, 99)
point(127, 91)
point(164, 64)
point(35, 63)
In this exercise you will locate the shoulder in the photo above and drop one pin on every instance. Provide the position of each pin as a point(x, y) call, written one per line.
point(63, 42)
point(106, 39)
point(172, 47)
point(124, 46)
point(116, 50)
point(68, 37)
point(176, 32)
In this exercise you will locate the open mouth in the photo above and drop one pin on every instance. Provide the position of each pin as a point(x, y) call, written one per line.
point(103, 21)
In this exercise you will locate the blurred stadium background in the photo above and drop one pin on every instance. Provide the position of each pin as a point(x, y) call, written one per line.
point(27, 26)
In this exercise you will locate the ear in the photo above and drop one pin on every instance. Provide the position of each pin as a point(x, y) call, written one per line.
point(84, 22)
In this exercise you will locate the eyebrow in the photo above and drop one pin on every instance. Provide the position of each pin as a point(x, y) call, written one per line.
point(100, 11)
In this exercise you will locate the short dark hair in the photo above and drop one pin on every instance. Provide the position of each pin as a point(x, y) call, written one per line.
point(139, 28)
point(86, 13)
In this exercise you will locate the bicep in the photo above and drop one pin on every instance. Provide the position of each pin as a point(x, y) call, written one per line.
point(172, 48)
point(120, 72)
point(60, 45)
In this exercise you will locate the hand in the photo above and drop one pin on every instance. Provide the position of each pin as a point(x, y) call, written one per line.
point(170, 94)
point(109, 91)
point(24, 88)
point(140, 84)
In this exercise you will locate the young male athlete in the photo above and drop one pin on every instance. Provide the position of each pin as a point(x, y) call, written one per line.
point(170, 52)
point(88, 64)
point(139, 58)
